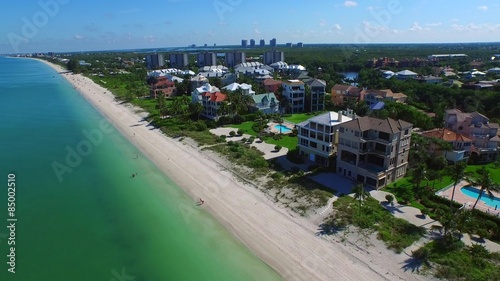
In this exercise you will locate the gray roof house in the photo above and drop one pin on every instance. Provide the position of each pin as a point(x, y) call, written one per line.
point(267, 103)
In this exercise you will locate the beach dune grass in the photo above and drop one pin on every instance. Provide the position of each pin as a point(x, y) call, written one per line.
point(396, 233)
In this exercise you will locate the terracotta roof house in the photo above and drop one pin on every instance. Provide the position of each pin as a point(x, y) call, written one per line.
point(476, 127)
point(210, 98)
point(374, 151)
point(340, 93)
point(461, 145)
point(162, 87)
point(271, 85)
point(372, 97)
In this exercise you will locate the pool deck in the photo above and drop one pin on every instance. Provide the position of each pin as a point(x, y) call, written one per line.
point(464, 199)
point(272, 129)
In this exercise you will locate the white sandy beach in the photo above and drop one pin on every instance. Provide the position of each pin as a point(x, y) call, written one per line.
point(282, 239)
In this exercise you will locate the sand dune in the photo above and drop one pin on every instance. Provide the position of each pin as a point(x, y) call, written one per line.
point(282, 239)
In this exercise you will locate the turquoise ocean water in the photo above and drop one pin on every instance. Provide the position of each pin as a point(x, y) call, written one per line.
point(95, 222)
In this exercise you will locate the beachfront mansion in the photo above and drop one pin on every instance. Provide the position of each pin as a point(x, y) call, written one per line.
point(373, 151)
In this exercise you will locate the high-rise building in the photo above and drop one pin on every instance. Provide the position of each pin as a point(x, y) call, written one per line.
point(262, 43)
point(234, 58)
point(244, 43)
point(154, 61)
point(252, 43)
point(178, 60)
point(206, 59)
point(273, 56)
point(300, 45)
point(272, 42)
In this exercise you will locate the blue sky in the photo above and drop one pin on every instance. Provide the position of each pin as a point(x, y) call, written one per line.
point(77, 25)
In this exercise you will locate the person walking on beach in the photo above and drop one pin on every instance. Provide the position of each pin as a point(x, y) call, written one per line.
point(201, 201)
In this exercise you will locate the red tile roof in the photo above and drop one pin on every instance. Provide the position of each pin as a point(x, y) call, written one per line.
point(215, 97)
point(446, 135)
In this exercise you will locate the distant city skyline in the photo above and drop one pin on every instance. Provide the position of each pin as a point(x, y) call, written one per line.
point(75, 25)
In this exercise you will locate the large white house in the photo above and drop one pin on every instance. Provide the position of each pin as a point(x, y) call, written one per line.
point(210, 98)
point(294, 93)
point(318, 136)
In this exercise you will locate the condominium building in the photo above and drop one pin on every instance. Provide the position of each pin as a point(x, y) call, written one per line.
point(154, 61)
point(273, 56)
point(262, 43)
point(235, 58)
point(272, 42)
point(476, 127)
point(319, 136)
point(206, 59)
point(294, 93)
point(179, 60)
point(374, 151)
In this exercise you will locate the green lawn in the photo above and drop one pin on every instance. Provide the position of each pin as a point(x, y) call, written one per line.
point(245, 126)
point(300, 117)
point(494, 172)
point(285, 141)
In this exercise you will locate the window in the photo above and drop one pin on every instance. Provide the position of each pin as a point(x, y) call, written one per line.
point(313, 144)
point(356, 133)
point(407, 131)
point(341, 129)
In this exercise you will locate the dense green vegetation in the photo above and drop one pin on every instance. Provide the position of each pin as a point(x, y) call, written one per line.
point(450, 259)
point(396, 233)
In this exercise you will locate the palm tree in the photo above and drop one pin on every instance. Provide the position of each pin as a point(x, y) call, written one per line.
point(483, 180)
point(360, 193)
point(457, 173)
point(419, 174)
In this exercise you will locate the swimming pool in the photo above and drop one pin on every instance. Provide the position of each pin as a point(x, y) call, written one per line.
point(282, 129)
point(474, 192)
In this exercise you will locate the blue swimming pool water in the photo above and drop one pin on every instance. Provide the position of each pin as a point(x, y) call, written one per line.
point(474, 192)
point(283, 129)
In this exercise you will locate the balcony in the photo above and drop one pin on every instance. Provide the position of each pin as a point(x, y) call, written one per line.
point(481, 136)
point(454, 156)
point(372, 168)
point(375, 151)
point(370, 139)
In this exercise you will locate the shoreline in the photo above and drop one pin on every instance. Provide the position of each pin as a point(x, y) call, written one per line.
point(283, 240)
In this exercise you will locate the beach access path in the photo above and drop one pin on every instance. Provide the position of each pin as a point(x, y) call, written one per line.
point(284, 240)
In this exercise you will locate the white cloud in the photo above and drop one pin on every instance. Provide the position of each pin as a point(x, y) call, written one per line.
point(150, 38)
point(478, 28)
point(257, 32)
point(483, 8)
point(350, 4)
point(337, 26)
point(434, 24)
point(78, 37)
point(322, 22)
point(415, 27)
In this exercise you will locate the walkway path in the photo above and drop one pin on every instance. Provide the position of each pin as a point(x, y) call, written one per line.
point(414, 216)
